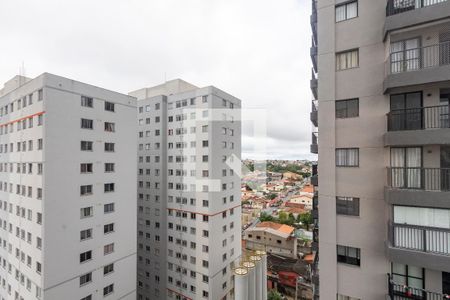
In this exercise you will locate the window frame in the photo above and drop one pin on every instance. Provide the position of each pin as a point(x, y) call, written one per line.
point(345, 4)
point(347, 165)
point(346, 114)
point(346, 259)
point(351, 206)
point(345, 52)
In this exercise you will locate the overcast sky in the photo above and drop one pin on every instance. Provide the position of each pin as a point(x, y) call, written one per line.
point(256, 50)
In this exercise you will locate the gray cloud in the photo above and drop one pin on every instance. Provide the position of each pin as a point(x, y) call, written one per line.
point(257, 50)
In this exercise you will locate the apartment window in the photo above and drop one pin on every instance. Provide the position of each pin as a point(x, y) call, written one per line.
point(87, 212)
point(87, 101)
point(85, 256)
point(107, 290)
point(347, 157)
point(349, 255)
point(87, 298)
point(109, 187)
point(86, 146)
point(347, 60)
point(85, 190)
point(109, 106)
point(108, 208)
point(108, 269)
point(347, 108)
point(109, 167)
point(346, 11)
point(107, 249)
point(347, 206)
point(40, 144)
point(86, 168)
point(85, 234)
point(109, 147)
point(85, 279)
point(110, 127)
point(87, 124)
point(108, 228)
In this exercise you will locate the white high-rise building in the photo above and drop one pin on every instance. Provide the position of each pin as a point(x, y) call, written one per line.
point(189, 226)
point(67, 191)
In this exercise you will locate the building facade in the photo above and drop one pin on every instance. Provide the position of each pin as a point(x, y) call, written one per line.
point(189, 210)
point(67, 191)
point(382, 79)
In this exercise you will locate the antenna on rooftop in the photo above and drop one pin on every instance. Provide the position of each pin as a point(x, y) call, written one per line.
point(22, 74)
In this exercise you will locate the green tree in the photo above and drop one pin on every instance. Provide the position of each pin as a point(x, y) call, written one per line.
point(274, 295)
point(265, 217)
point(291, 219)
point(306, 219)
point(282, 217)
point(271, 196)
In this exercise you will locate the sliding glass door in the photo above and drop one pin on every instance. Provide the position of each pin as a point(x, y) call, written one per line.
point(406, 166)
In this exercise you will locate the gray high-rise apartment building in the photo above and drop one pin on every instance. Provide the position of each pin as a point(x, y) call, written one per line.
point(189, 226)
point(67, 191)
point(381, 75)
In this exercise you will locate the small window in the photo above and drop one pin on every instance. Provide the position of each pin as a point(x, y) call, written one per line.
point(343, 297)
point(85, 234)
point(109, 187)
point(347, 157)
point(87, 212)
point(87, 101)
point(109, 147)
point(109, 167)
point(347, 108)
point(87, 124)
point(347, 60)
point(86, 168)
point(107, 249)
point(108, 228)
point(108, 290)
point(108, 269)
point(86, 278)
point(346, 11)
point(349, 255)
point(85, 190)
point(108, 208)
point(85, 256)
point(86, 146)
point(347, 206)
point(110, 127)
point(109, 106)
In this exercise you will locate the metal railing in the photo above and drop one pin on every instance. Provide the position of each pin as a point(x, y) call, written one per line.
point(420, 238)
point(430, 179)
point(419, 58)
point(394, 7)
point(418, 118)
point(315, 138)
point(400, 291)
point(314, 105)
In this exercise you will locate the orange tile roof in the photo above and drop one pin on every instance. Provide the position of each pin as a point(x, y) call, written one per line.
point(308, 189)
point(279, 227)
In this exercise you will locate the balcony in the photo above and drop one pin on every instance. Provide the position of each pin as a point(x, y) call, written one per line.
point(314, 143)
point(314, 84)
point(423, 187)
point(428, 247)
point(430, 64)
point(399, 291)
point(314, 176)
point(314, 115)
point(406, 13)
point(418, 126)
point(313, 20)
point(313, 54)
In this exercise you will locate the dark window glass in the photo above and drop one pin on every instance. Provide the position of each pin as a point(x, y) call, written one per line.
point(347, 206)
point(347, 108)
point(349, 255)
